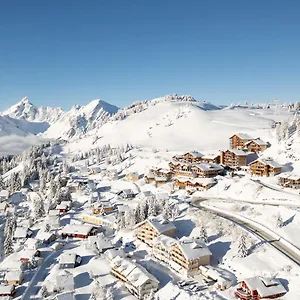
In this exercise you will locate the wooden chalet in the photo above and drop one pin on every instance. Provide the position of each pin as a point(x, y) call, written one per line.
point(257, 288)
point(133, 176)
point(153, 227)
point(137, 279)
point(256, 146)
point(78, 231)
point(102, 208)
point(265, 167)
point(26, 255)
point(289, 181)
point(192, 170)
point(194, 183)
point(188, 254)
point(233, 158)
point(239, 140)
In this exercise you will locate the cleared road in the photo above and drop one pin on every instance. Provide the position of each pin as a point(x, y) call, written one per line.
point(280, 246)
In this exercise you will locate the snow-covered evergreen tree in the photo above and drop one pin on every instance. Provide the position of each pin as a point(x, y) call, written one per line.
point(2, 184)
point(38, 208)
point(167, 210)
point(175, 212)
point(8, 245)
point(203, 233)
point(242, 248)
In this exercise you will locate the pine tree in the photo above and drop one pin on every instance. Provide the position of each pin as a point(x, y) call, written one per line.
point(137, 215)
point(142, 208)
point(203, 234)
point(2, 184)
point(8, 246)
point(175, 212)
point(151, 208)
point(279, 222)
point(42, 184)
point(242, 248)
point(167, 210)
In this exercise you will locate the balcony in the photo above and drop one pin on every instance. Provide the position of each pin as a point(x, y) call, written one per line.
point(242, 294)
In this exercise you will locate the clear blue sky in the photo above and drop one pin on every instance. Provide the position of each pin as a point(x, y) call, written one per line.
point(63, 52)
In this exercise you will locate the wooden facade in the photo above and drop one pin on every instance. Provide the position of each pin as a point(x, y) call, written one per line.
point(233, 158)
point(290, 181)
point(193, 183)
point(260, 168)
point(255, 146)
point(239, 141)
point(195, 170)
point(146, 232)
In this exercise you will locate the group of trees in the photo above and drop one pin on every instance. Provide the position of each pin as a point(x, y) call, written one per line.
point(9, 229)
point(147, 208)
point(96, 155)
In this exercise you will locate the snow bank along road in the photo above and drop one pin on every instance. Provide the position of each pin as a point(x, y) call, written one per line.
point(264, 233)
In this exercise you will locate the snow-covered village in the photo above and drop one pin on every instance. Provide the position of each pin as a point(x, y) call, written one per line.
point(100, 212)
point(149, 150)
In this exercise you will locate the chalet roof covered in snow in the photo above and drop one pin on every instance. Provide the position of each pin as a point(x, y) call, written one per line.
point(77, 229)
point(268, 161)
point(68, 258)
point(31, 243)
point(194, 153)
point(12, 262)
point(290, 176)
point(21, 232)
point(238, 152)
point(258, 141)
point(44, 235)
point(112, 253)
point(65, 296)
point(6, 289)
point(14, 275)
point(243, 136)
point(160, 224)
point(164, 240)
point(265, 286)
point(136, 274)
point(53, 212)
point(100, 241)
point(193, 248)
point(27, 253)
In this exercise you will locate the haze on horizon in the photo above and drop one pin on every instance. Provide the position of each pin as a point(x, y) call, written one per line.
point(59, 54)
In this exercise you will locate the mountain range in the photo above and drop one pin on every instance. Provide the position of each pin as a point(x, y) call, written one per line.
point(172, 121)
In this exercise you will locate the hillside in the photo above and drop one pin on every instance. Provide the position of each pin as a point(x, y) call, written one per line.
point(177, 125)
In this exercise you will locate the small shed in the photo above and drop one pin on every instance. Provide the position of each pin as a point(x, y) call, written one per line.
point(22, 232)
point(126, 194)
point(46, 237)
point(32, 244)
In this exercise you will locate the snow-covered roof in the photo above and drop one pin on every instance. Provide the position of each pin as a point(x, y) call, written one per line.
point(237, 152)
point(160, 224)
point(53, 212)
point(4, 194)
point(6, 289)
point(162, 196)
point(110, 254)
point(204, 166)
point(77, 229)
point(67, 258)
point(64, 277)
point(13, 275)
point(194, 153)
point(243, 136)
point(160, 178)
point(101, 242)
point(165, 240)
point(265, 286)
point(136, 274)
point(43, 235)
point(127, 191)
point(27, 253)
point(268, 161)
point(211, 155)
point(21, 232)
point(31, 243)
point(146, 194)
point(290, 176)
point(12, 262)
point(193, 248)
point(258, 141)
